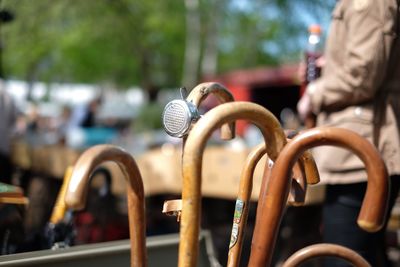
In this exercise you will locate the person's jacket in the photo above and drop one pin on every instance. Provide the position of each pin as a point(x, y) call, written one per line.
point(360, 86)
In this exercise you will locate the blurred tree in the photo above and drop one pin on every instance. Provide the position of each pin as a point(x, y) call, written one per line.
point(112, 41)
point(193, 43)
point(257, 32)
point(151, 43)
point(5, 17)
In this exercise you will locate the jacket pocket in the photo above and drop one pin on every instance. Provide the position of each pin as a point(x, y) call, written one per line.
point(355, 118)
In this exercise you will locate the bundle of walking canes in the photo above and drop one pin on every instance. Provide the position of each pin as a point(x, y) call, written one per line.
point(278, 183)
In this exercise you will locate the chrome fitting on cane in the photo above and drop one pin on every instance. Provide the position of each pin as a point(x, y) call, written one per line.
point(179, 115)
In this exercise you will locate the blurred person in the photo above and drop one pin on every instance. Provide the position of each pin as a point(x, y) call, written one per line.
point(33, 118)
point(62, 123)
point(8, 116)
point(85, 115)
point(358, 90)
point(89, 120)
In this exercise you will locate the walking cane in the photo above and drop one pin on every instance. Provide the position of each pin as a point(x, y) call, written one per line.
point(179, 116)
point(274, 137)
point(60, 207)
point(59, 231)
point(78, 188)
point(304, 172)
point(372, 214)
point(325, 250)
point(198, 94)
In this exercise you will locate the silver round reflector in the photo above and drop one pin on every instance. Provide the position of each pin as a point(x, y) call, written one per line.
point(178, 116)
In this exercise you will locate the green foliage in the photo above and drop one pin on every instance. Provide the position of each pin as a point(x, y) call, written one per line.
point(126, 42)
point(122, 42)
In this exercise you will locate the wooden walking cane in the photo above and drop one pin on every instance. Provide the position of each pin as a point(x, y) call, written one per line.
point(196, 96)
point(78, 188)
point(372, 214)
point(304, 172)
point(325, 250)
point(222, 114)
point(192, 164)
point(60, 207)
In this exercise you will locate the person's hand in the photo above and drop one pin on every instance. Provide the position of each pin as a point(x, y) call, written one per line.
point(320, 62)
point(304, 107)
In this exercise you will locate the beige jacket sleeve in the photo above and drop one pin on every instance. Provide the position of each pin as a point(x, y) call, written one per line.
point(357, 53)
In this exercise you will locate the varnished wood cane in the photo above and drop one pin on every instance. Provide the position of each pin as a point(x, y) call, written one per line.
point(304, 172)
point(196, 96)
point(192, 164)
point(78, 188)
point(325, 250)
point(199, 93)
point(372, 213)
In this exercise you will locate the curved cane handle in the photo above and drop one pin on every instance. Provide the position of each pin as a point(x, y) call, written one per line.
point(297, 194)
point(304, 172)
point(201, 92)
point(372, 212)
point(192, 164)
point(325, 250)
point(309, 166)
point(78, 187)
point(196, 96)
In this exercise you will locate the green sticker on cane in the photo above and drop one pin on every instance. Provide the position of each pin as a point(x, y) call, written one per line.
point(238, 211)
point(237, 217)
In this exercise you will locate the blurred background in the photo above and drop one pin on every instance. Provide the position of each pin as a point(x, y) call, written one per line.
point(57, 55)
point(122, 45)
point(89, 72)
